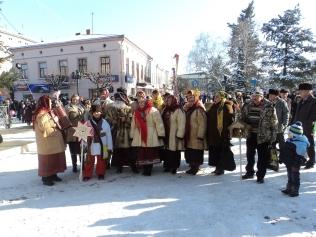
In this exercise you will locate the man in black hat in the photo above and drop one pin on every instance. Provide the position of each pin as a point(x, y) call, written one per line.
point(306, 113)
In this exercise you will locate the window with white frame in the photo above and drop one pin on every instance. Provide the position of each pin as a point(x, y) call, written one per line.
point(133, 69)
point(82, 65)
point(137, 71)
point(142, 72)
point(42, 69)
point(24, 71)
point(127, 66)
point(105, 65)
point(63, 67)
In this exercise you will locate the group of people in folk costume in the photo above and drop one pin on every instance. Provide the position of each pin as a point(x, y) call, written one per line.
point(146, 131)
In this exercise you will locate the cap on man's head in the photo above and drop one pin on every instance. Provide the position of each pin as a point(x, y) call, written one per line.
point(305, 86)
point(258, 91)
point(273, 92)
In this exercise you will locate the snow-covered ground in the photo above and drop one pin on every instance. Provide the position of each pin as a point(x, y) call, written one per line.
point(161, 205)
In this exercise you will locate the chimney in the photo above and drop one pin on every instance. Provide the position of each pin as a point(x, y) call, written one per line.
point(88, 31)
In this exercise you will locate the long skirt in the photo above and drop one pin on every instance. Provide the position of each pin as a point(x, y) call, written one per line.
point(194, 157)
point(172, 159)
point(122, 157)
point(51, 164)
point(147, 155)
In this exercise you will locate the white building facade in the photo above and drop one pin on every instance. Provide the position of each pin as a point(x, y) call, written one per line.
point(114, 56)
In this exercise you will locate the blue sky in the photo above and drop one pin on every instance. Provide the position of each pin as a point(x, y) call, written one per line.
point(162, 27)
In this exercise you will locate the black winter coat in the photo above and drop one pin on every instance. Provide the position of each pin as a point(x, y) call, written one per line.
point(288, 155)
point(306, 113)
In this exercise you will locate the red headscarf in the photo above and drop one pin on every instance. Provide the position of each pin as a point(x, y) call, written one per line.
point(42, 106)
point(140, 119)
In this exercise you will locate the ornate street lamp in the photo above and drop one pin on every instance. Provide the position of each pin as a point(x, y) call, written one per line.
point(76, 75)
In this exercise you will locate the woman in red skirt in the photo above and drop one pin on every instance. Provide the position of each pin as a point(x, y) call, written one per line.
point(147, 132)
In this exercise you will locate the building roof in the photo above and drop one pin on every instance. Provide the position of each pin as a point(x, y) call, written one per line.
point(16, 35)
point(79, 39)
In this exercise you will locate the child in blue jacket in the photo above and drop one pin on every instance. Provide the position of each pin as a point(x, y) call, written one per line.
point(292, 154)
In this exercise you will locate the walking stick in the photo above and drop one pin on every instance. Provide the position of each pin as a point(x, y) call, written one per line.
point(240, 160)
point(81, 163)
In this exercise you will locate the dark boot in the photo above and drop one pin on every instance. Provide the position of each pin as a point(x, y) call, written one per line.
point(134, 169)
point(286, 190)
point(247, 176)
point(100, 177)
point(55, 178)
point(147, 170)
point(189, 171)
point(47, 181)
point(293, 191)
point(74, 163)
point(195, 169)
point(173, 171)
point(219, 171)
point(119, 169)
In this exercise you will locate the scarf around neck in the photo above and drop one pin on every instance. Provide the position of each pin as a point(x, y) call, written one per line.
point(220, 116)
point(140, 119)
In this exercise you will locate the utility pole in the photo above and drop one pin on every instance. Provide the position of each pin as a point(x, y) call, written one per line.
point(92, 22)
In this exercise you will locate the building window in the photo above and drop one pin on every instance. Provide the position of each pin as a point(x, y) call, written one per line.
point(133, 69)
point(105, 65)
point(82, 65)
point(137, 71)
point(63, 67)
point(127, 66)
point(148, 72)
point(42, 69)
point(24, 71)
point(142, 72)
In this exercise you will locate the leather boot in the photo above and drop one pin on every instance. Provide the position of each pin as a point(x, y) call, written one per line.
point(286, 190)
point(134, 169)
point(195, 169)
point(47, 181)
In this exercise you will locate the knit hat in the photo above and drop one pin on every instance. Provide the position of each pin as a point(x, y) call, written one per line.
point(296, 129)
point(305, 86)
point(284, 90)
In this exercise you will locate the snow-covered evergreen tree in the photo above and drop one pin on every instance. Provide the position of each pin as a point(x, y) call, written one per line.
point(286, 48)
point(244, 46)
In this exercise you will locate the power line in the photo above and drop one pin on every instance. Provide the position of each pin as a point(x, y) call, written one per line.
point(7, 20)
